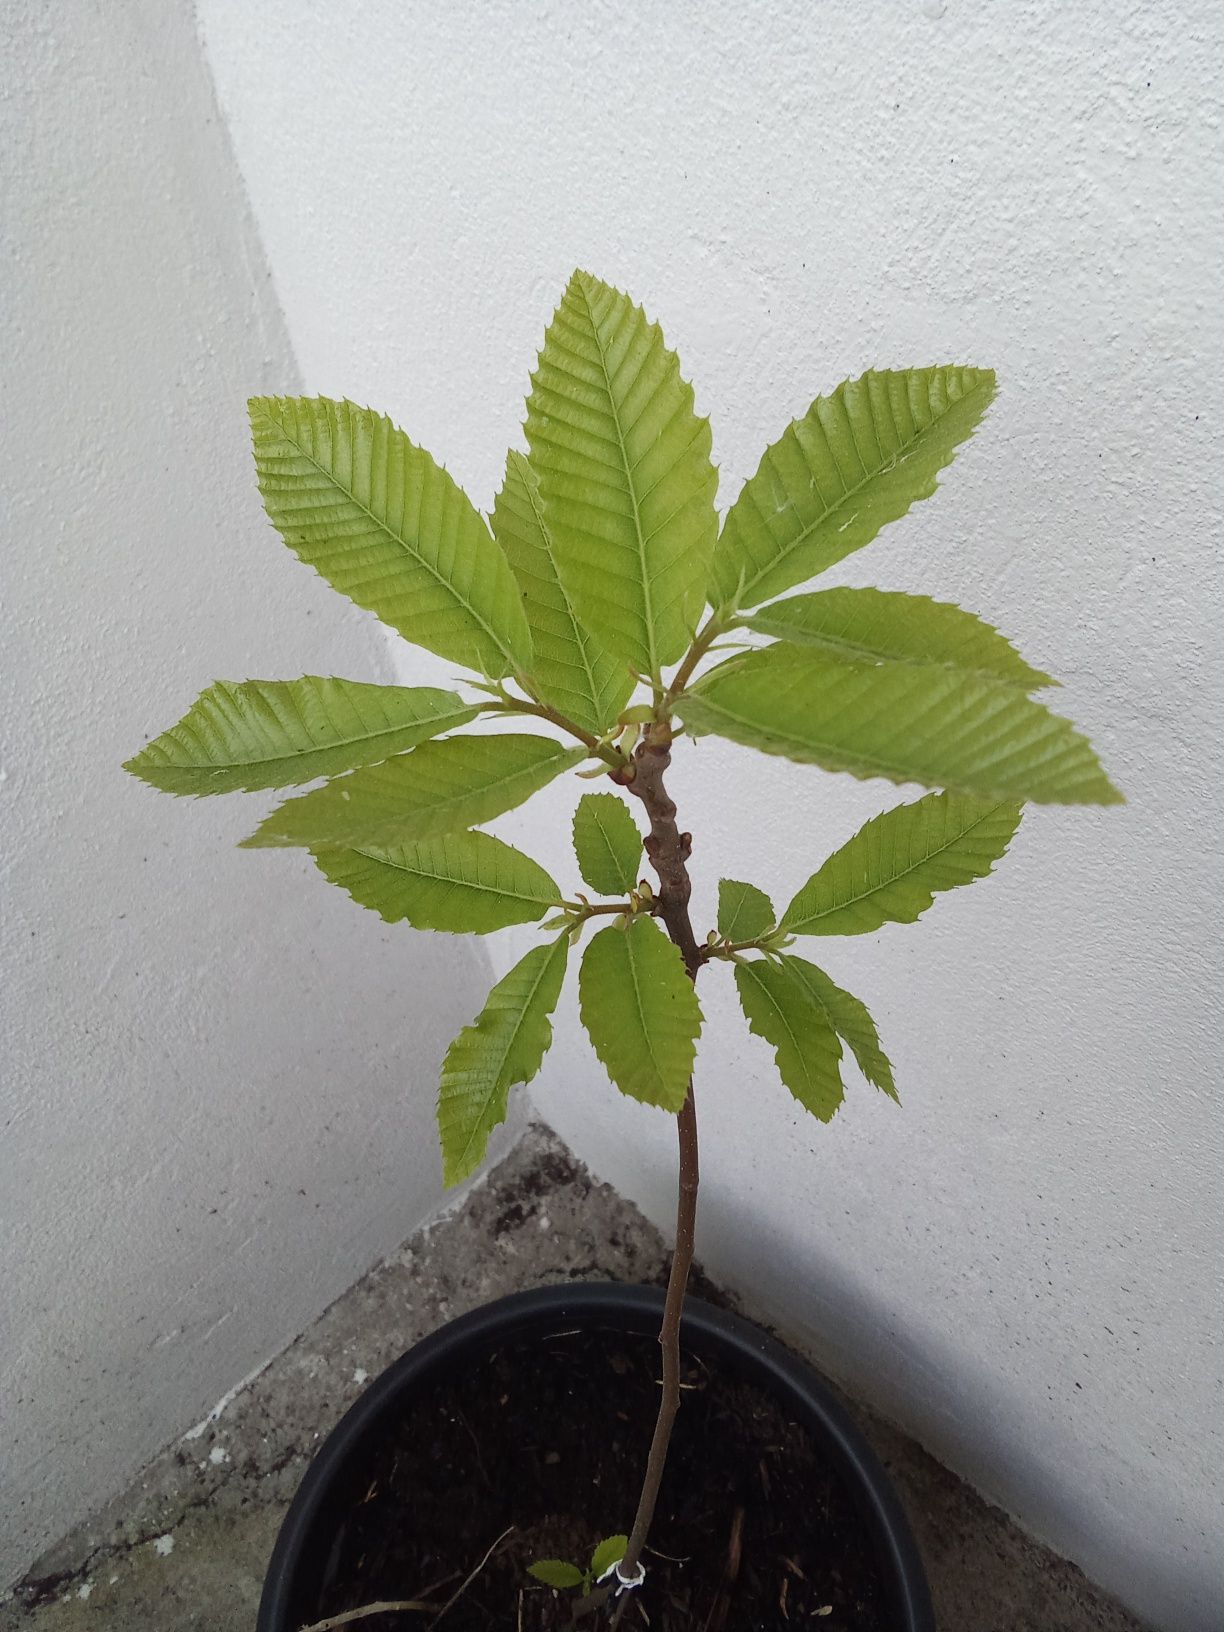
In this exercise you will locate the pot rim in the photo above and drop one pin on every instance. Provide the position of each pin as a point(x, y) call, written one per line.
point(705, 1330)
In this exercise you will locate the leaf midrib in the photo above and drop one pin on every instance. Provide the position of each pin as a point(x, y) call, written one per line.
point(902, 453)
point(519, 1023)
point(864, 895)
point(372, 853)
point(580, 637)
point(396, 538)
point(647, 598)
point(324, 748)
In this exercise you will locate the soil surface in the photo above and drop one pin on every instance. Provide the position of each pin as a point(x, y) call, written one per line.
point(542, 1445)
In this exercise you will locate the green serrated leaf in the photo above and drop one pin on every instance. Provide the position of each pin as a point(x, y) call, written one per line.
point(607, 843)
point(853, 1024)
point(256, 734)
point(462, 883)
point(555, 1572)
point(641, 1012)
point(505, 1046)
point(744, 912)
point(779, 1007)
point(374, 515)
point(624, 468)
point(439, 787)
point(570, 669)
point(609, 1552)
point(892, 867)
point(857, 460)
point(900, 722)
point(874, 625)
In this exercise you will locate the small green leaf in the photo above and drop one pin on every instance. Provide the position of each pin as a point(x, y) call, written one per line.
point(892, 867)
point(853, 1024)
point(609, 1552)
point(857, 460)
point(779, 1007)
point(624, 468)
point(875, 625)
point(555, 1572)
point(462, 883)
point(506, 1045)
point(641, 1012)
point(607, 843)
point(373, 514)
point(570, 668)
point(275, 733)
point(744, 912)
point(439, 787)
point(898, 721)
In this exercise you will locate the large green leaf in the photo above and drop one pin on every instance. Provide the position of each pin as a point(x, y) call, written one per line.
point(275, 733)
point(625, 474)
point(850, 1020)
point(780, 1008)
point(641, 1012)
point(898, 721)
point(386, 526)
point(505, 1045)
point(464, 883)
point(855, 461)
point(874, 625)
point(439, 787)
point(744, 912)
point(570, 669)
point(607, 844)
point(892, 867)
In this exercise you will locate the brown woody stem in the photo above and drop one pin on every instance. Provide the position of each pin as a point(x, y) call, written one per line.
point(669, 851)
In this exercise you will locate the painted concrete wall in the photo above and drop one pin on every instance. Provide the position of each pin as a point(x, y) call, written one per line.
point(1024, 1265)
point(218, 1076)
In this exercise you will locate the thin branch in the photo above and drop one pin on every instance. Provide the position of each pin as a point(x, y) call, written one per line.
point(398, 1606)
point(468, 1579)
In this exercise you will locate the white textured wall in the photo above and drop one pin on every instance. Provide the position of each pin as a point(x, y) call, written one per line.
point(218, 1075)
point(1025, 1263)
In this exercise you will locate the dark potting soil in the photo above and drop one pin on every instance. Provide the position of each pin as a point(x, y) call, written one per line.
point(549, 1437)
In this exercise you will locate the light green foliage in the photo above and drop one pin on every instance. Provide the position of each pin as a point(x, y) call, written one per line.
point(625, 474)
point(892, 867)
point(898, 721)
point(872, 625)
point(609, 1552)
point(386, 526)
point(570, 669)
point(463, 883)
point(555, 1572)
point(744, 912)
point(641, 1012)
point(850, 1020)
point(504, 1046)
point(607, 844)
point(602, 552)
point(857, 460)
point(439, 787)
point(277, 733)
point(779, 1007)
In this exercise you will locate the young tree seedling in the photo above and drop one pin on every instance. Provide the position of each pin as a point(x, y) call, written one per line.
point(604, 607)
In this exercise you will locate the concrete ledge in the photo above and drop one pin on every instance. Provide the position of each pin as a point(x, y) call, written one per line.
point(183, 1550)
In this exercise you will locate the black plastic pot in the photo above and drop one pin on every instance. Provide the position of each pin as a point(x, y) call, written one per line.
point(730, 1344)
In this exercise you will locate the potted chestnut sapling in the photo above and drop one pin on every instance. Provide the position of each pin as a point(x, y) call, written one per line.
point(513, 1470)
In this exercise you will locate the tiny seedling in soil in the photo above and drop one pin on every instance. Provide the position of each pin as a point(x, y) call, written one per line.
point(603, 611)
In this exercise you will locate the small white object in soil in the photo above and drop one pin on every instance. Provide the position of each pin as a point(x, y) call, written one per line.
point(84, 1590)
point(164, 1546)
point(545, 1222)
point(360, 1376)
point(217, 1455)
